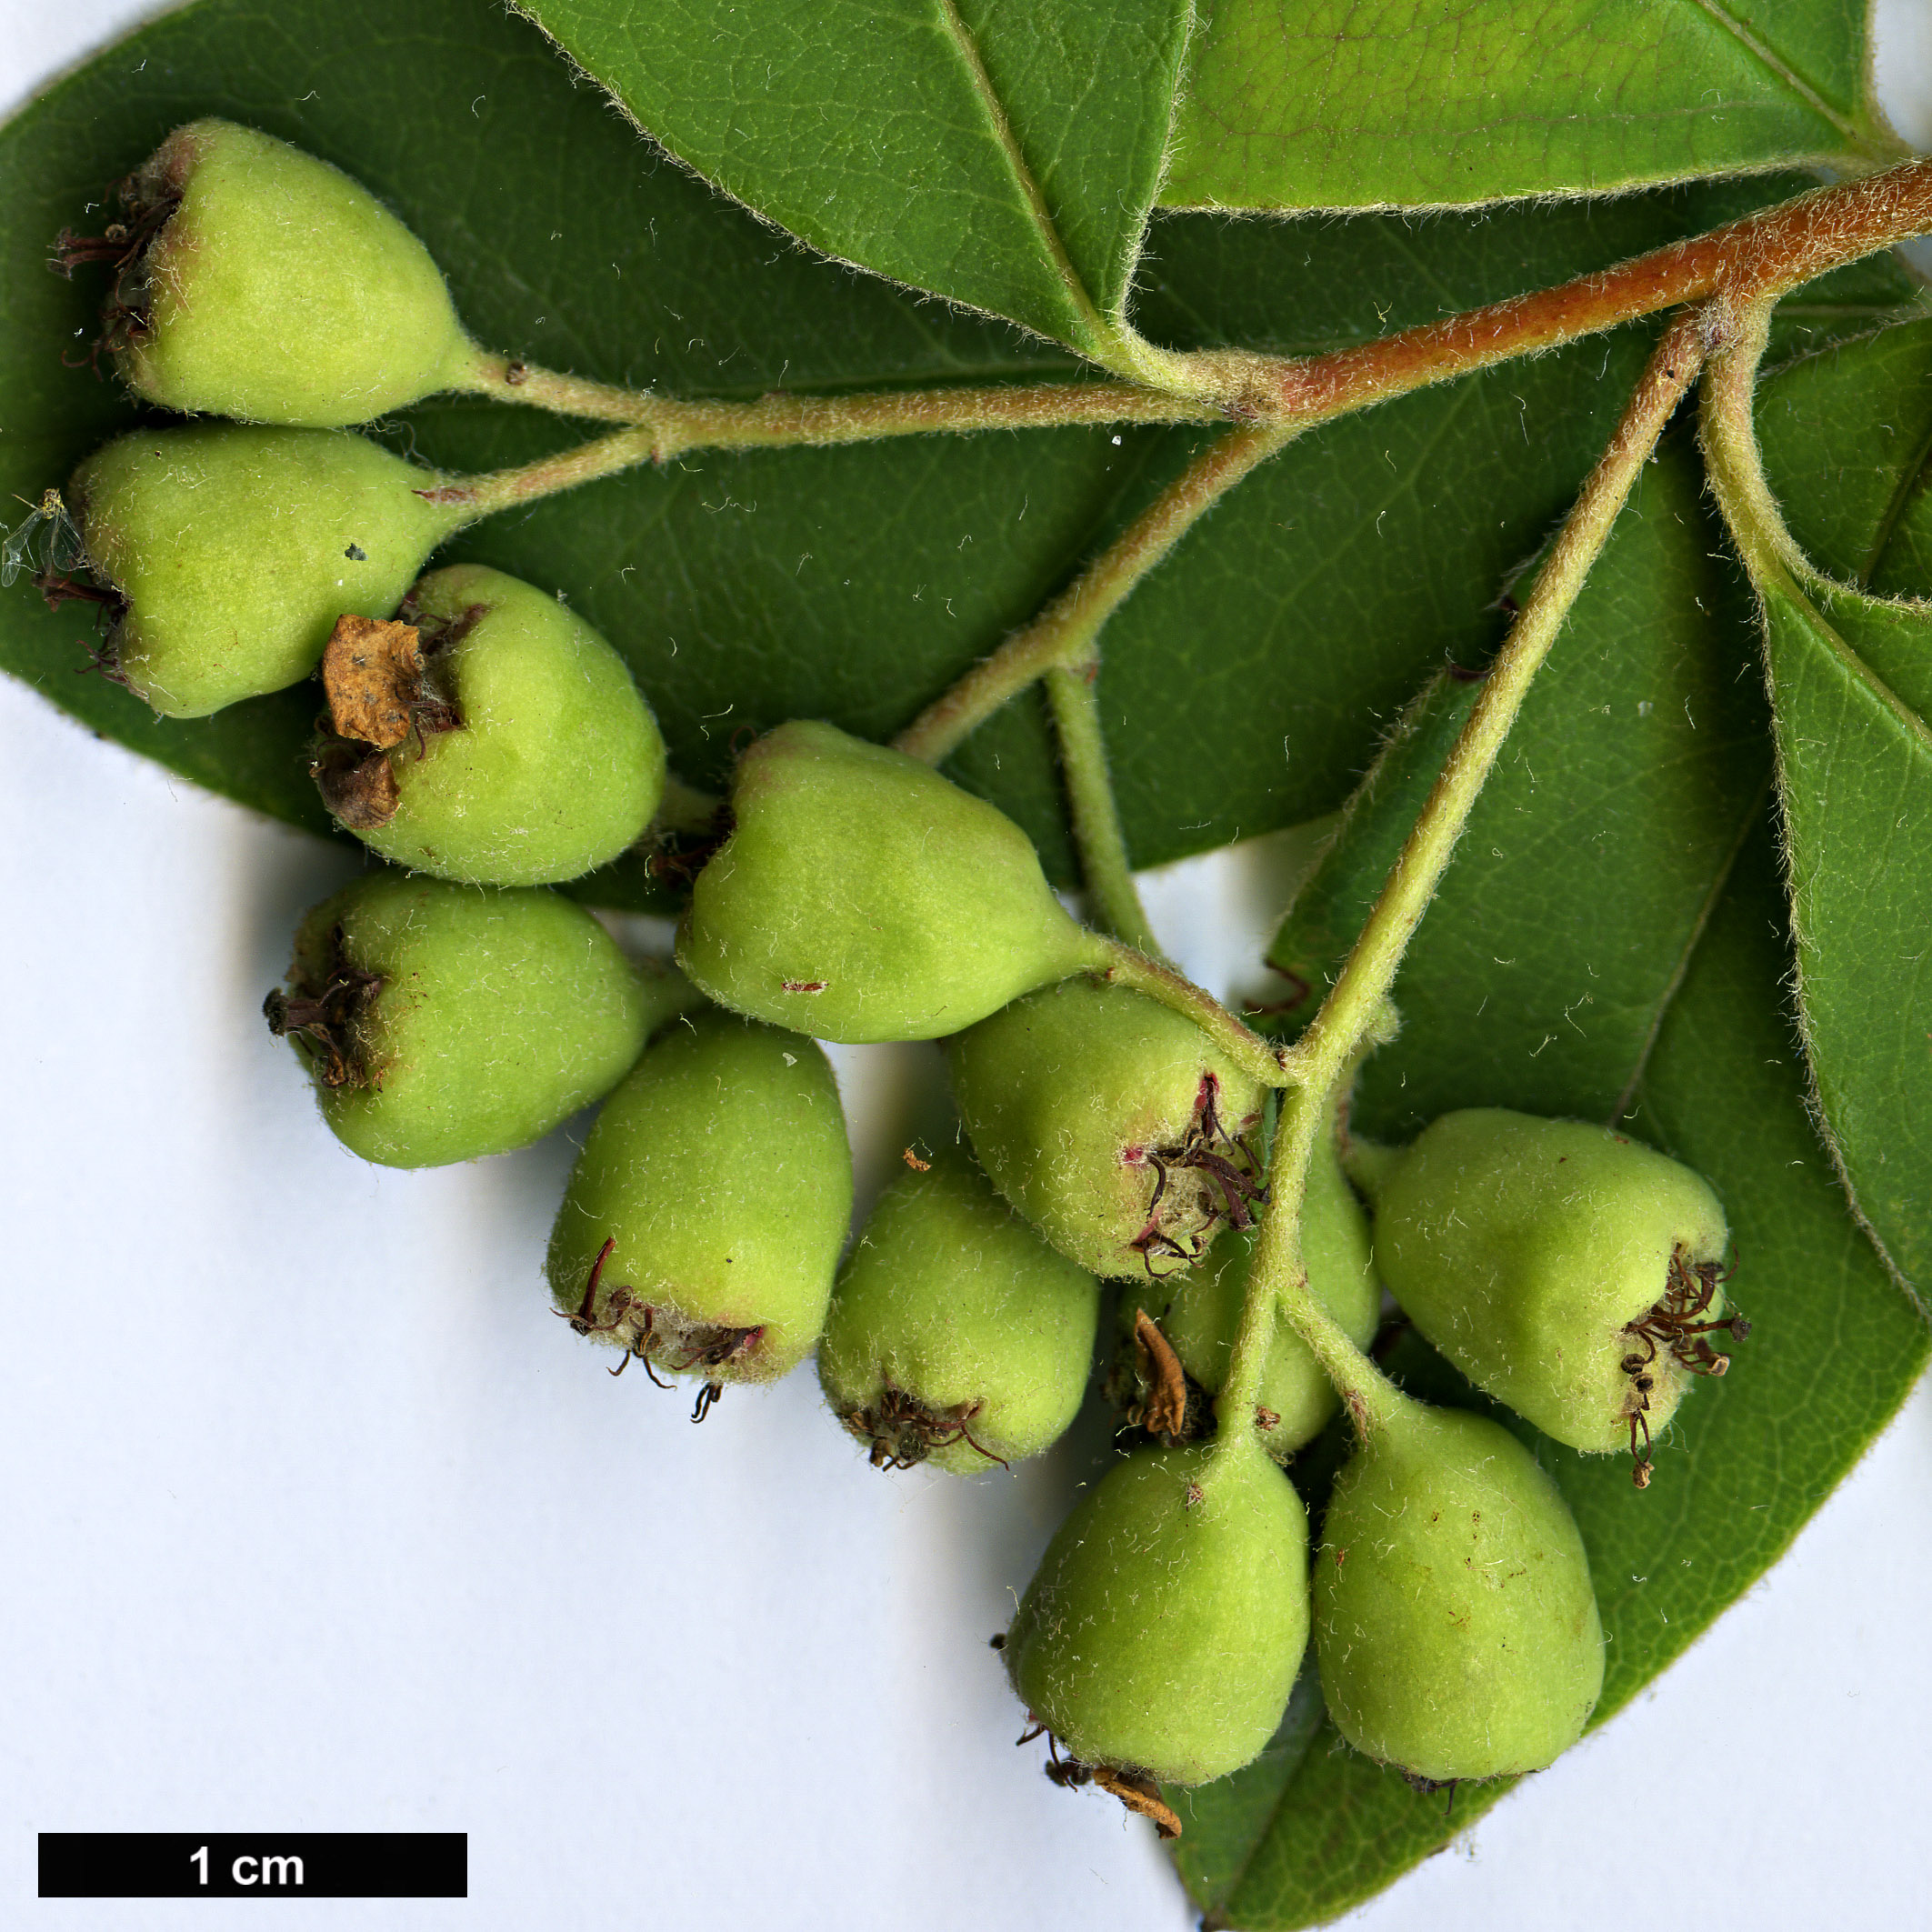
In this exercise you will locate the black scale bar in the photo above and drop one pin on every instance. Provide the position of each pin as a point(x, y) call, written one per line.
point(260, 1865)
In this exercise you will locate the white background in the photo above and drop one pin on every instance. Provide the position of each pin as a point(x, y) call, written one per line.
point(317, 1520)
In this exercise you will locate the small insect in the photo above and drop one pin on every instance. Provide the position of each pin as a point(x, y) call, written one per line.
point(48, 543)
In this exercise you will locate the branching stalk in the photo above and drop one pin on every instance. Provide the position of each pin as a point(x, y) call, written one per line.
point(1357, 1008)
point(1751, 263)
point(1115, 903)
point(1761, 256)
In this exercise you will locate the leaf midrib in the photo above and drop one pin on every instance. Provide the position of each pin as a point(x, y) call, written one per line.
point(995, 110)
point(1915, 728)
point(1911, 481)
point(1720, 884)
point(1777, 65)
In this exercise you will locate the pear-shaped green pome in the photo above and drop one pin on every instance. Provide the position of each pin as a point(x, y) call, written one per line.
point(518, 750)
point(234, 550)
point(1202, 1319)
point(957, 1335)
point(1563, 1268)
point(271, 287)
point(1455, 1622)
point(1112, 1122)
point(862, 896)
point(1167, 1620)
point(702, 1222)
point(441, 1024)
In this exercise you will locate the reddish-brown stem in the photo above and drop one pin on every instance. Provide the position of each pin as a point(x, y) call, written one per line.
point(1763, 255)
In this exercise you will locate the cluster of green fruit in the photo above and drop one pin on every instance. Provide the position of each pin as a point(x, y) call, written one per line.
point(484, 738)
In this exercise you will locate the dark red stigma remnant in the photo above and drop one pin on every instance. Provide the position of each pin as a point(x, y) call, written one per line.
point(1678, 1322)
point(680, 853)
point(1428, 1786)
point(697, 1345)
point(1136, 1788)
point(122, 246)
point(322, 1018)
point(1228, 1163)
point(904, 1431)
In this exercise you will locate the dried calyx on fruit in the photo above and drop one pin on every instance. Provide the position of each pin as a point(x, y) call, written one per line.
point(1455, 1622)
point(1203, 1315)
point(704, 1216)
point(1113, 1124)
point(1162, 1633)
point(486, 735)
point(1570, 1272)
point(251, 280)
point(957, 1335)
point(229, 553)
point(862, 896)
point(441, 1024)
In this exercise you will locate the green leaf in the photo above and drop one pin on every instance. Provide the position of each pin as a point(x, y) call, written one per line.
point(1851, 684)
point(1851, 678)
point(1606, 942)
point(856, 583)
point(1000, 153)
point(1321, 104)
point(1221, 1822)
point(1861, 422)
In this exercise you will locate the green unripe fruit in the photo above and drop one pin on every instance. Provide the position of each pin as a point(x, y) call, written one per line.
point(1164, 1629)
point(1455, 1622)
point(1564, 1268)
point(442, 1023)
point(270, 287)
point(862, 896)
point(490, 735)
point(1296, 1398)
point(957, 1335)
point(706, 1215)
point(1112, 1122)
point(235, 551)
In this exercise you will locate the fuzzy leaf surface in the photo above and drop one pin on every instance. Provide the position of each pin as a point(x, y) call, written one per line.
point(1000, 153)
point(1851, 686)
point(1330, 104)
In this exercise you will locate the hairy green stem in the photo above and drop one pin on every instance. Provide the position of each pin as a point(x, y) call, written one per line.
point(1123, 965)
point(1727, 432)
point(1074, 696)
point(1370, 968)
point(670, 429)
point(781, 421)
point(1064, 633)
point(1357, 1010)
point(684, 808)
